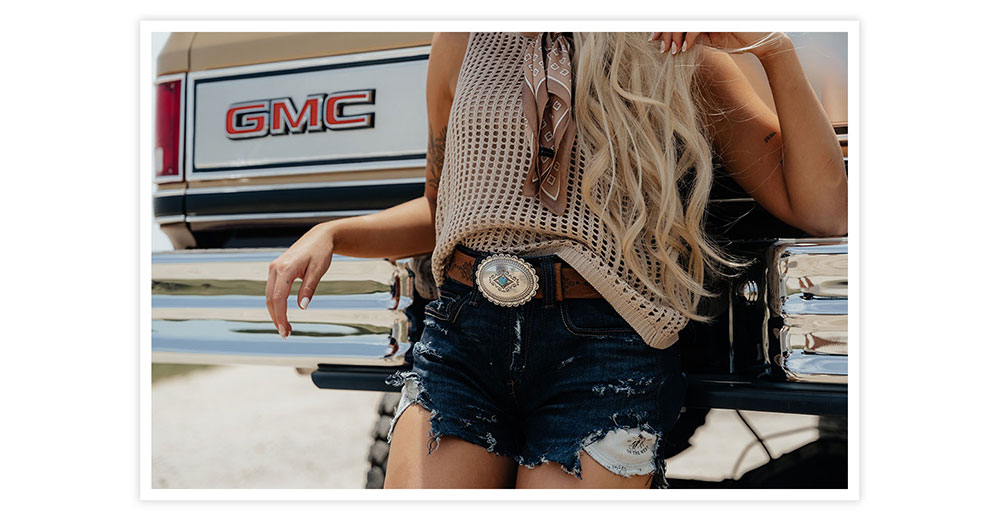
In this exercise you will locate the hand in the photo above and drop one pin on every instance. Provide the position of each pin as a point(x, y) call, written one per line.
point(681, 42)
point(308, 259)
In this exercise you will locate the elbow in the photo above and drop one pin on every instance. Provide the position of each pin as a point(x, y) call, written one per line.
point(833, 226)
point(827, 215)
point(832, 230)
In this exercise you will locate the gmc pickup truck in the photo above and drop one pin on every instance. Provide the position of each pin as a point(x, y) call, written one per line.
point(259, 136)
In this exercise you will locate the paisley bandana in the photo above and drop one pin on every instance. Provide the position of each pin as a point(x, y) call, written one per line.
point(547, 98)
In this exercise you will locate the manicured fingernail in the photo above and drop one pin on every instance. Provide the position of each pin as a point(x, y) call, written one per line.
point(673, 47)
point(684, 46)
point(304, 303)
point(663, 45)
point(650, 37)
point(281, 331)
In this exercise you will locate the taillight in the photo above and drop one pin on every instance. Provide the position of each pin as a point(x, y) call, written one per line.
point(166, 151)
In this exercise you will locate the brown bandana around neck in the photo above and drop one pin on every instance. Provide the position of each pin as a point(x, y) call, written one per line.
point(547, 97)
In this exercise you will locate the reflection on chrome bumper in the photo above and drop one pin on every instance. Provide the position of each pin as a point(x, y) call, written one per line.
point(208, 308)
point(806, 331)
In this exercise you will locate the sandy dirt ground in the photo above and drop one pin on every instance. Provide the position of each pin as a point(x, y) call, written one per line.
point(258, 427)
point(269, 427)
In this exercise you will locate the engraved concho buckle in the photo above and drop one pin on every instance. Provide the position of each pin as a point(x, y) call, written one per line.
point(506, 280)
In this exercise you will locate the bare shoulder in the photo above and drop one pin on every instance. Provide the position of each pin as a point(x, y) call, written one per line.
point(447, 53)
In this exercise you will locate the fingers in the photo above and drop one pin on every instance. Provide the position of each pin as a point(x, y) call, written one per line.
point(282, 287)
point(310, 281)
point(676, 40)
point(271, 274)
point(664, 39)
point(277, 295)
point(689, 40)
point(674, 43)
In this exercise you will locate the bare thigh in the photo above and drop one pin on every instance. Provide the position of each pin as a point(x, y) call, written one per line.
point(454, 463)
point(552, 475)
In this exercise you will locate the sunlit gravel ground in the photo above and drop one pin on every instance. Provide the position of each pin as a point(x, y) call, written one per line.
point(270, 427)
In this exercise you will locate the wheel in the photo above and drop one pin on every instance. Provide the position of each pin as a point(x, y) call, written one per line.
point(378, 453)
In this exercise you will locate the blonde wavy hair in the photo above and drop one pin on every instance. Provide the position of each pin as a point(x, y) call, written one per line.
point(641, 116)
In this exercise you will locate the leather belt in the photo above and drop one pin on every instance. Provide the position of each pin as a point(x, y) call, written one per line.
point(569, 282)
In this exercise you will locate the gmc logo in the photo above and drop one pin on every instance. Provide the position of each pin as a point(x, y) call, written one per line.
point(279, 116)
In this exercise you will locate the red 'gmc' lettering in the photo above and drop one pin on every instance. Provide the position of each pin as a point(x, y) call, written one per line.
point(286, 118)
point(247, 119)
point(280, 116)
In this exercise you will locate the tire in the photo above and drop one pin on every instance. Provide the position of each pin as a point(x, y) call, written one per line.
point(378, 453)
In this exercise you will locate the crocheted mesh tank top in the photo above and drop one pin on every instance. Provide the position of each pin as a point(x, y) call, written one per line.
point(480, 204)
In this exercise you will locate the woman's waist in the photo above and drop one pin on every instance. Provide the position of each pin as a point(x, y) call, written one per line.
point(511, 278)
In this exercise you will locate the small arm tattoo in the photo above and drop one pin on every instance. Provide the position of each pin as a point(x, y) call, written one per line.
point(769, 136)
point(435, 161)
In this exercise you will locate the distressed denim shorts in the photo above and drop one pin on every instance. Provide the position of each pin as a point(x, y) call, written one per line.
point(541, 381)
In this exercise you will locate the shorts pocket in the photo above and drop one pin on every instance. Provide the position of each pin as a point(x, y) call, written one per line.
point(593, 316)
point(452, 298)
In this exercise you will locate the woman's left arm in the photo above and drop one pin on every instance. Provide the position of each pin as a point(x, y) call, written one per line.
point(790, 162)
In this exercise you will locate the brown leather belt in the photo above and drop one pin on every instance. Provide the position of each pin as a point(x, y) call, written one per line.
point(569, 282)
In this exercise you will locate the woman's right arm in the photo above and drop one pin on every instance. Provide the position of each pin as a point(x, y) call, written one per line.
point(400, 231)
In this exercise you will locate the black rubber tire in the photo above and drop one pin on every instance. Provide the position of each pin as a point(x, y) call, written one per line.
point(378, 453)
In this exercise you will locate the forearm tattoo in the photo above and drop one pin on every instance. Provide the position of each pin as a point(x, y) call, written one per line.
point(435, 161)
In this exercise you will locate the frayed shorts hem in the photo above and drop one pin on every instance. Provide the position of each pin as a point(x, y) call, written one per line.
point(614, 449)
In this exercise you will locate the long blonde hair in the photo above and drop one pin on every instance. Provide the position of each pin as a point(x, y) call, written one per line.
point(640, 116)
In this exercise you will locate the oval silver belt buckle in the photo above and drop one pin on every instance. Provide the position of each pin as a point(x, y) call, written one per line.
point(506, 280)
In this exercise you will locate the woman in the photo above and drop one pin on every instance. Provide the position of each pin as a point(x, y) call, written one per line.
point(567, 178)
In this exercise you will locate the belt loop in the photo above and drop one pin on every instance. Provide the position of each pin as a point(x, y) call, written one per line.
point(548, 283)
point(477, 294)
point(449, 262)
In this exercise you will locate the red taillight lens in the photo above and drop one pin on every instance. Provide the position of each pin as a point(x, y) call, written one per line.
point(166, 150)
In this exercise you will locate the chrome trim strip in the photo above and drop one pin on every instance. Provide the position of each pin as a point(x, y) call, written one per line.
point(169, 219)
point(304, 361)
point(211, 255)
point(401, 164)
point(169, 77)
point(168, 193)
point(277, 215)
point(294, 186)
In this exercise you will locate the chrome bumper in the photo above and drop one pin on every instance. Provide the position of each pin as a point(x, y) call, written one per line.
point(806, 327)
point(208, 308)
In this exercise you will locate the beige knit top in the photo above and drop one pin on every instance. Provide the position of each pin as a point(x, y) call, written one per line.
point(480, 204)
